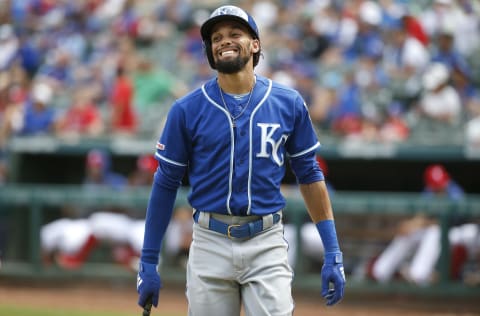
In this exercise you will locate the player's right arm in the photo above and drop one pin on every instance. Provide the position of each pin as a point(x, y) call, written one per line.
point(159, 213)
point(170, 154)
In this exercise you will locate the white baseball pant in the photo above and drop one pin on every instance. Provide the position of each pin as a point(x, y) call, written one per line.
point(223, 274)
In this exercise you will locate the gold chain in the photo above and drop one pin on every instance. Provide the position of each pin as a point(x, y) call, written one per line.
point(234, 118)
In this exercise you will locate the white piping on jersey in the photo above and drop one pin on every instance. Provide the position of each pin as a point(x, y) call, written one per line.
point(306, 150)
point(170, 161)
point(232, 147)
point(250, 152)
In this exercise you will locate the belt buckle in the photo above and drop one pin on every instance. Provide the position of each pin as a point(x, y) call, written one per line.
point(229, 228)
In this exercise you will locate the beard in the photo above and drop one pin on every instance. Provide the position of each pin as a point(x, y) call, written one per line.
point(233, 65)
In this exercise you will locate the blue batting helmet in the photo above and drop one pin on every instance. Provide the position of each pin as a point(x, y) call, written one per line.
point(227, 13)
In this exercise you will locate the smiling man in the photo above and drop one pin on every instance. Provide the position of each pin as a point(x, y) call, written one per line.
point(235, 135)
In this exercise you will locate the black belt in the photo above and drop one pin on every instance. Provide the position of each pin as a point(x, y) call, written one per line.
point(246, 230)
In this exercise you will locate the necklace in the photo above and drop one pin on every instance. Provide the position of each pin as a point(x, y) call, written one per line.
point(234, 118)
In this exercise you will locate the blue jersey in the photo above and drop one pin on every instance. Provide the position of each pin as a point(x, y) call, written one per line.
point(237, 169)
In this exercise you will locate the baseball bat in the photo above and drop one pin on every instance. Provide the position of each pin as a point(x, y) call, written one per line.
point(147, 308)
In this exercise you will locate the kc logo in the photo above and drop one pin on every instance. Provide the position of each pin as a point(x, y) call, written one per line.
point(268, 130)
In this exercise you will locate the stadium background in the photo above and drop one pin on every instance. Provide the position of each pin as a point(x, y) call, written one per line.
point(373, 171)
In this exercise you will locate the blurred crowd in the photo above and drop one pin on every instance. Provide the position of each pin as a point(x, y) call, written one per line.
point(371, 71)
point(375, 71)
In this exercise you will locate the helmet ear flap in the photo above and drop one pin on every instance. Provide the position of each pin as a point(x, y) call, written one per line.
point(207, 47)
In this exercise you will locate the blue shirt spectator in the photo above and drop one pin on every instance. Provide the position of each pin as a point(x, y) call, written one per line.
point(38, 117)
point(99, 172)
point(446, 53)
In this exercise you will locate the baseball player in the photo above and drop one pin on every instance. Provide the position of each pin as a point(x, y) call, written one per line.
point(234, 135)
point(419, 238)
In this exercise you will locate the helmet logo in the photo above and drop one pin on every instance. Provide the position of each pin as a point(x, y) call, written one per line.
point(230, 10)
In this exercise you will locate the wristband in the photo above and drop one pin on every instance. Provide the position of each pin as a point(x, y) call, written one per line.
point(328, 234)
point(146, 267)
point(333, 258)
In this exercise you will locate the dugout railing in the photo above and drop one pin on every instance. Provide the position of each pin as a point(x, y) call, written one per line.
point(364, 224)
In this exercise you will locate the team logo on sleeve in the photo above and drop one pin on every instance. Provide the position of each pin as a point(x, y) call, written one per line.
point(160, 146)
point(267, 133)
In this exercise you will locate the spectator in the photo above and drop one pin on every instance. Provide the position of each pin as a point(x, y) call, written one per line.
point(339, 28)
point(98, 172)
point(394, 128)
point(368, 39)
point(82, 118)
point(313, 43)
point(57, 70)
point(468, 92)
point(153, 88)
point(404, 58)
point(344, 116)
point(459, 16)
point(467, 30)
point(39, 115)
point(30, 55)
point(446, 53)
point(123, 118)
point(325, 98)
point(420, 236)
point(439, 14)
point(305, 75)
point(414, 28)
point(440, 102)
point(9, 46)
point(34, 116)
point(145, 169)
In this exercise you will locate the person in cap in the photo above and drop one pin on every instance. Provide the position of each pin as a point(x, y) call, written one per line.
point(98, 171)
point(440, 102)
point(418, 237)
point(234, 135)
point(146, 165)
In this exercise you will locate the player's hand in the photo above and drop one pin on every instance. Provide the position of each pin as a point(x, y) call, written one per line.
point(333, 273)
point(148, 284)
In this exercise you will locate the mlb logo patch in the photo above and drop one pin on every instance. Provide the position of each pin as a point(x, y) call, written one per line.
point(160, 146)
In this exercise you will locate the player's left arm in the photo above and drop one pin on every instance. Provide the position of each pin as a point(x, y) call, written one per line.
point(320, 210)
point(302, 146)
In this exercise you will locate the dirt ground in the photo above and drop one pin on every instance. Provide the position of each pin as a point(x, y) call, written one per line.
point(89, 297)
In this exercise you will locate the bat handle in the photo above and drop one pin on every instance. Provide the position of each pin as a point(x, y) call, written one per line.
point(147, 308)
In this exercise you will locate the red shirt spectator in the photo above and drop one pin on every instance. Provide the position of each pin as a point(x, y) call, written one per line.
point(123, 117)
point(82, 119)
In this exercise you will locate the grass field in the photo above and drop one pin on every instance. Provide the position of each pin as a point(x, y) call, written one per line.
point(29, 311)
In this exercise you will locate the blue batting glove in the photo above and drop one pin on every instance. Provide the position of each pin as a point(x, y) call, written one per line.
point(148, 284)
point(333, 272)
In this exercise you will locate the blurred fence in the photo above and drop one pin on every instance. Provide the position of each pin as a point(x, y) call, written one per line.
point(361, 221)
